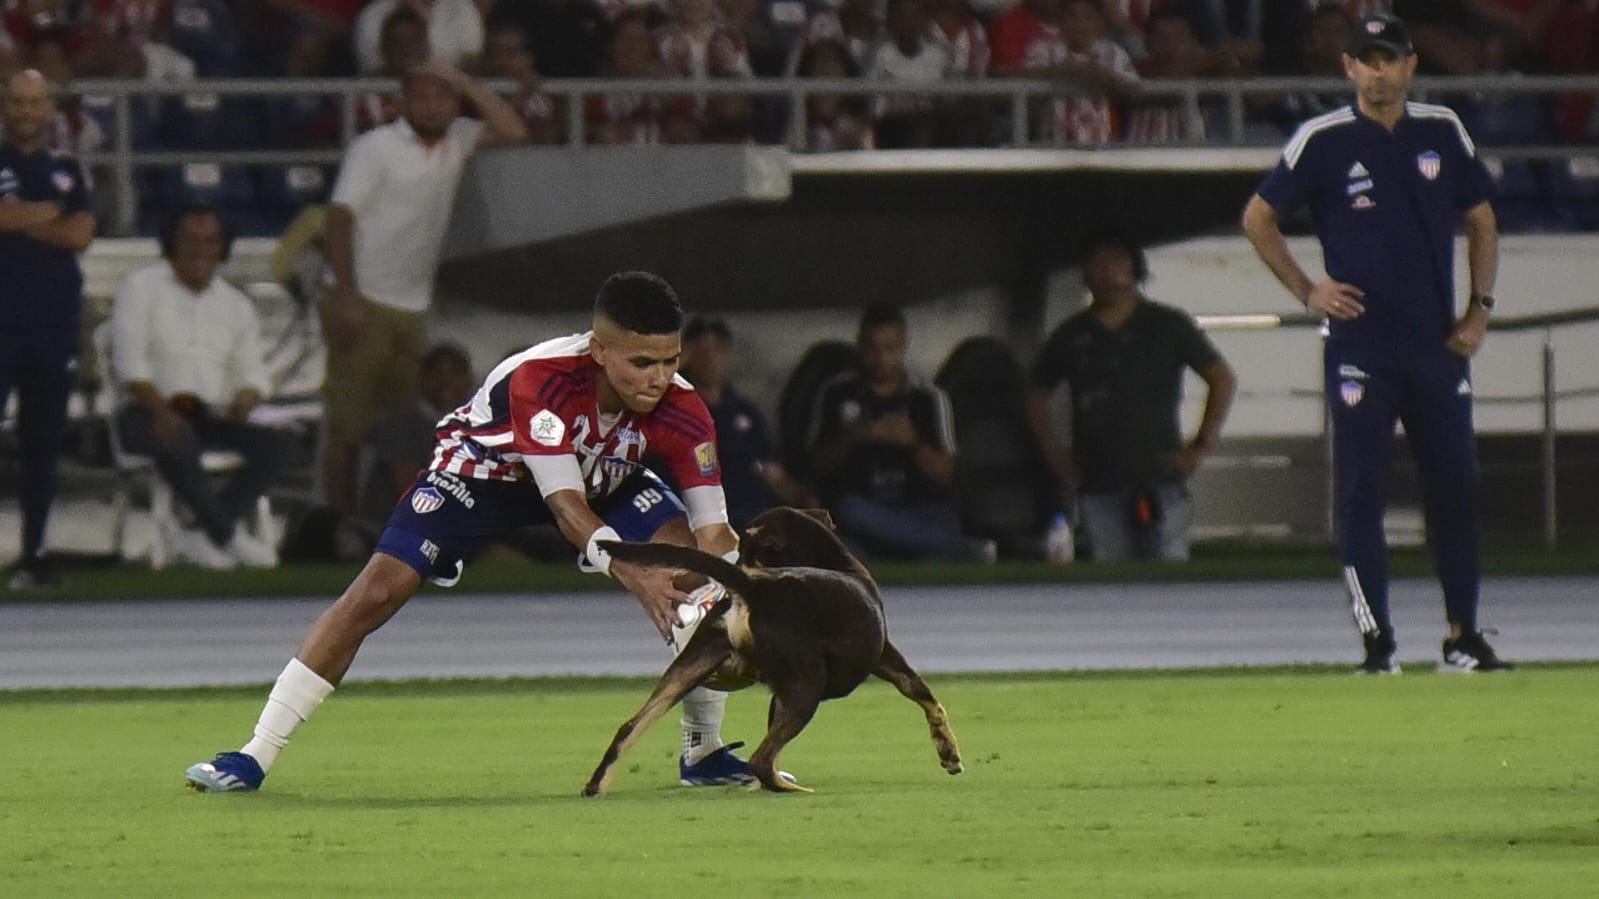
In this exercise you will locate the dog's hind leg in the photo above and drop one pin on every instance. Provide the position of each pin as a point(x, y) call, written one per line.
point(894, 669)
point(790, 711)
point(694, 664)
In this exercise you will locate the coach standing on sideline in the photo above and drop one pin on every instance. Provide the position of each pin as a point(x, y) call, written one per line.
point(1387, 181)
point(44, 224)
point(385, 229)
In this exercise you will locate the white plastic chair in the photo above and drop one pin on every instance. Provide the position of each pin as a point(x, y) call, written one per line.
point(140, 476)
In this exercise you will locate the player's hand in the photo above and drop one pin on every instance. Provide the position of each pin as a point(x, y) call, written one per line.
point(1335, 299)
point(169, 427)
point(1469, 332)
point(1187, 460)
point(654, 590)
point(897, 430)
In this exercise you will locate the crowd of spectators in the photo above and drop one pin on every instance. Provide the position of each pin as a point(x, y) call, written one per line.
point(1105, 52)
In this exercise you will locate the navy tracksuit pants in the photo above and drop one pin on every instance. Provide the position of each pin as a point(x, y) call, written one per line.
point(1429, 392)
point(43, 378)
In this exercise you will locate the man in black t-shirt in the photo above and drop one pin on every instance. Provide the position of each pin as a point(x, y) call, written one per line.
point(1123, 358)
point(884, 453)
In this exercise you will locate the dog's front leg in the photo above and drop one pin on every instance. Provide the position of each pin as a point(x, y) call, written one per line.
point(694, 664)
point(894, 669)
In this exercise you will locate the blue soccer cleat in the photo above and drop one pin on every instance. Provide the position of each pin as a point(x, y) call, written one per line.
point(229, 772)
point(719, 769)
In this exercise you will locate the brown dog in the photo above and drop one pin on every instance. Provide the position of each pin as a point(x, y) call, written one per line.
point(804, 617)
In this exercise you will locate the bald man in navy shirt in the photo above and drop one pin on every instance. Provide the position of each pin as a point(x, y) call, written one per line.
point(1387, 182)
point(44, 224)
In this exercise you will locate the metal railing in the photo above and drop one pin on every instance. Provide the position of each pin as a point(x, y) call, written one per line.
point(1019, 96)
point(1548, 397)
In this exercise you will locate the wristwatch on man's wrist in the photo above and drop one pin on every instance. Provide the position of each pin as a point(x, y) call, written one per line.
point(1485, 300)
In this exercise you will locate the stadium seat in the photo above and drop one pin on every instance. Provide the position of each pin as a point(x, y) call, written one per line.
point(1007, 492)
point(1574, 187)
point(287, 190)
point(206, 121)
point(1513, 120)
point(230, 189)
point(1522, 204)
point(796, 406)
point(102, 108)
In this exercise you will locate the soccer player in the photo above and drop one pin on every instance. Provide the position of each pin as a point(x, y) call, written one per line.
point(1387, 181)
point(558, 433)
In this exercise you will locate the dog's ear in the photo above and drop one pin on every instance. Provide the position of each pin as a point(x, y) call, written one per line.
point(821, 515)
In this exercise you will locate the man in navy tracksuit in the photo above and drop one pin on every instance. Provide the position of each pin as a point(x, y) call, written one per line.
point(44, 223)
point(1387, 181)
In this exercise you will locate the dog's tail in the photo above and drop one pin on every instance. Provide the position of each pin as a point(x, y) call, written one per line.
point(670, 555)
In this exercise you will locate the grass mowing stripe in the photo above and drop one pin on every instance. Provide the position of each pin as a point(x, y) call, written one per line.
point(1237, 783)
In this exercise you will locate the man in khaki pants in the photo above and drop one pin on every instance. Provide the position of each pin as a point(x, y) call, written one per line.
point(385, 227)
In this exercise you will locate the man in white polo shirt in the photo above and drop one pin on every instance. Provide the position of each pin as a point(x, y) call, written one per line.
point(385, 228)
point(185, 345)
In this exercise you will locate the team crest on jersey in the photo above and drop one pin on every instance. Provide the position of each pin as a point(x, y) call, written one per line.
point(1352, 392)
point(426, 500)
point(705, 455)
point(547, 428)
point(63, 181)
point(1430, 164)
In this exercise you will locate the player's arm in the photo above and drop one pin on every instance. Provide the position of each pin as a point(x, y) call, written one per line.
point(1331, 298)
point(1056, 451)
point(652, 587)
point(21, 216)
point(1482, 261)
point(1221, 386)
point(73, 231)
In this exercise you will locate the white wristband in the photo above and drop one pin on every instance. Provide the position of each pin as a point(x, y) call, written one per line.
point(597, 557)
point(731, 556)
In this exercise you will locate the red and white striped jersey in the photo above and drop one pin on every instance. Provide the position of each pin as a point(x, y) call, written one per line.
point(543, 401)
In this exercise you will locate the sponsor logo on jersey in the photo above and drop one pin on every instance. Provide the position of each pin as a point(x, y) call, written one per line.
point(1362, 202)
point(1357, 171)
point(1430, 164)
point(1352, 372)
point(547, 428)
point(705, 456)
point(431, 550)
point(1356, 187)
point(426, 500)
point(453, 486)
point(1464, 389)
point(1352, 392)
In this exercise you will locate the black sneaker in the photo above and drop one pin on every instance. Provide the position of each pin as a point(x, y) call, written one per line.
point(1470, 652)
point(1380, 648)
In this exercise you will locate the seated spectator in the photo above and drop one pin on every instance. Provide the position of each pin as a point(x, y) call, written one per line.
point(1065, 39)
point(401, 443)
point(1321, 55)
point(1123, 358)
point(1573, 49)
point(506, 55)
point(905, 54)
point(856, 24)
point(834, 122)
point(1449, 39)
point(884, 452)
point(768, 30)
point(1524, 26)
point(752, 477)
point(1237, 29)
point(566, 37)
point(1172, 51)
point(404, 47)
point(185, 346)
point(697, 43)
point(952, 26)
point(306, 38)
point(616, 118)
point(454, 31)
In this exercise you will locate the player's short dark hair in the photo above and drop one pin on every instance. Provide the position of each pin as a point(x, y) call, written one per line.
point(446, 353)
point(640, 302)
point(878, 315)
point(1116, 237)
point(701, 325)
point(402, 16)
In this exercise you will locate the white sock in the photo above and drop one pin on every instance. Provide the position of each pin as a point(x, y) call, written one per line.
point(702, 722)
point(294, 697)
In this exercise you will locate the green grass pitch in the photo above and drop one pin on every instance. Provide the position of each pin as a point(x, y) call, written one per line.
point(1235, 783)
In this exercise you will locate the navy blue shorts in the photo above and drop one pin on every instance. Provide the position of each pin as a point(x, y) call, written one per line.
point(445, 519)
